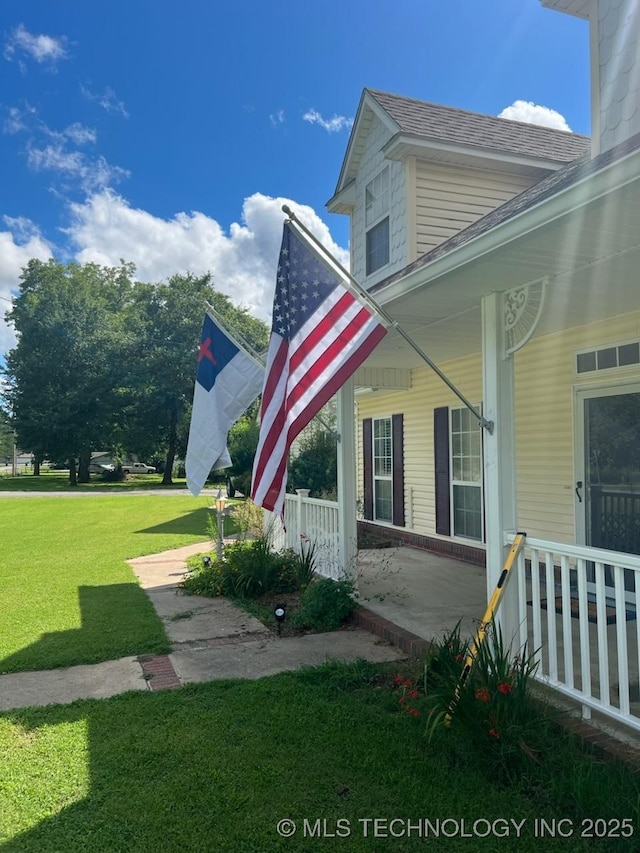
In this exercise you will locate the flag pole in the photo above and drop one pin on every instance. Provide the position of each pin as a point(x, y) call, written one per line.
point(234, 335)
point(388, 320)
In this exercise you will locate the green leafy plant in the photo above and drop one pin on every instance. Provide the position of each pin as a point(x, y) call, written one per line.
point(249, 569)
point(493, 708)
point(306, 562)
point(249, 518)
point(326, 603)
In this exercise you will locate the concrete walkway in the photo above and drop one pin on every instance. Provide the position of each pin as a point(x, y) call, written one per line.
point(210, 639)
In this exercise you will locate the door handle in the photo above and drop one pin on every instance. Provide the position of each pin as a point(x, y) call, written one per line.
point(578, 487)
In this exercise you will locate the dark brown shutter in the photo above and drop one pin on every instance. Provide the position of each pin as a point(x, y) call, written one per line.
point(397, 444)
point(367, 454)
point(441, 466)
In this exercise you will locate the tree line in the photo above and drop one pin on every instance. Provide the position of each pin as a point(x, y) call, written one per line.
point(106, 362)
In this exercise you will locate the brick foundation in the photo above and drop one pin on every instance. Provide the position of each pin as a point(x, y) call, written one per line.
point(394, 536)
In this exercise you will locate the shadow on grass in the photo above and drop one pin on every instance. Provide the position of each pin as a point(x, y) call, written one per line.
point(193, 522)
point(118, 620)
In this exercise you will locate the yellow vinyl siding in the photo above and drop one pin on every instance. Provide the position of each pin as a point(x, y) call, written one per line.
point(545, 383)
point(448, 198)
point(545, 380)
point(417, 405)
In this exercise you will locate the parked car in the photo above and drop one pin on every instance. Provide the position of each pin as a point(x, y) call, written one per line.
point(138, 468)
point(99, 468)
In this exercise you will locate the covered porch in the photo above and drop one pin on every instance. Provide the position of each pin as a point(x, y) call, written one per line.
point(537, 308)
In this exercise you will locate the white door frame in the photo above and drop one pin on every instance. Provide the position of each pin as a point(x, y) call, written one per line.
point(580, 394)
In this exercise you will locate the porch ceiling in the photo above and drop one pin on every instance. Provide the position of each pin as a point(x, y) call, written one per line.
point(591, 254)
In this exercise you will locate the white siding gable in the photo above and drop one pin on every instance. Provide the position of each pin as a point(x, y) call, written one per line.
point(373, 161)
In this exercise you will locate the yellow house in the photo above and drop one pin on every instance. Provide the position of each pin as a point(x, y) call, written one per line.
point(511, 255)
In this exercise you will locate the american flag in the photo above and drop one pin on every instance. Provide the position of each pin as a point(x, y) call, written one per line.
point(320, 334)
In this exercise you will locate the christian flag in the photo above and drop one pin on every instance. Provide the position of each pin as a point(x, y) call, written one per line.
point(228, 380)
point(320, 335)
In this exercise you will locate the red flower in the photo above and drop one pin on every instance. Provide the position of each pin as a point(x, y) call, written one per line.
point(414, 712)
point(504, 687)
point(407, 683)
point(494, 733)
point(398, 679)
point(483, 694)
point(402, 700)
point(458, 657)
point(412, 694)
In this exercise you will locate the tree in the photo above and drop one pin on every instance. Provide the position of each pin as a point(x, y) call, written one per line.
point(167, 319)
point(315, 466)
point(65, 373)
point(243, 443)
point(6, 437)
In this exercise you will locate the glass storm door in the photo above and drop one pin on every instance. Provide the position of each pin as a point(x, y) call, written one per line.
point(608, 485)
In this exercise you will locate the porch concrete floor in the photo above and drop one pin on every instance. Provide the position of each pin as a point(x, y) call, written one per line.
point(422, 592)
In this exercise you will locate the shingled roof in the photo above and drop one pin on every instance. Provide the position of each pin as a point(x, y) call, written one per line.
point(450, 125)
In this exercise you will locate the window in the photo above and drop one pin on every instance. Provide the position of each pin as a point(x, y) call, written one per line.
point(608, 357)
point(382, 470)
point(466, 475)
point(377, 222)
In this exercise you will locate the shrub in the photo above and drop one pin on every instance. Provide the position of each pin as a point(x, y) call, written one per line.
point(326, 603)
point(248, 570)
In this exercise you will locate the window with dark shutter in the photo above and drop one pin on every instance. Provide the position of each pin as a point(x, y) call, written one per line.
point(397, 429)
point(383, 469)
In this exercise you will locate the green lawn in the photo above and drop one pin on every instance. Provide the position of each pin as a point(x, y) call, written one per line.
point(67, 595)
point(214, 768)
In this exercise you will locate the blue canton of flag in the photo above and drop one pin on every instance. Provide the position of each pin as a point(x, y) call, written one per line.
point(228, 380)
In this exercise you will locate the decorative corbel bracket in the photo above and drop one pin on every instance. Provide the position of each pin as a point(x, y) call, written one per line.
point(522, 310)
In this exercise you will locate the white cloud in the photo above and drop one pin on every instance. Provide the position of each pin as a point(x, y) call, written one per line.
point(106, 229)
point(79, 134)
point(91, 173)
point(277, 118)
point(41, 48)
point(331, 125)
point(17, 246)
point(531, 113)
point(108, 100)
point(18, 120)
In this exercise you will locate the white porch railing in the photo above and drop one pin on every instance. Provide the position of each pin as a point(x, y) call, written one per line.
point(314, 520)
point(578, 617)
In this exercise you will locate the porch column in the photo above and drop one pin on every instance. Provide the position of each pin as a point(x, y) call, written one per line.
point(347, 527)
point(499, 456)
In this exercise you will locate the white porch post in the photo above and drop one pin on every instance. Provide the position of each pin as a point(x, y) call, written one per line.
point(499, 456)
point(347, 528)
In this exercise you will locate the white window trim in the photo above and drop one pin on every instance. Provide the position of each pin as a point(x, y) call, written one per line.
point(453, 482)
point(381, 477)
point(386, 214)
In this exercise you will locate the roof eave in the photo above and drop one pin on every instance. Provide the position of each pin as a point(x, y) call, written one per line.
point(351, 157)
point(404, 144)
point(589, 189)
point(578, 8)
point(343, 201)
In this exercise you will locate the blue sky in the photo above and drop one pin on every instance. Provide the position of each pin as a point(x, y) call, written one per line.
point(169, 134)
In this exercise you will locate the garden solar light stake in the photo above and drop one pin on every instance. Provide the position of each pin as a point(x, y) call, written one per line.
point(487, 619)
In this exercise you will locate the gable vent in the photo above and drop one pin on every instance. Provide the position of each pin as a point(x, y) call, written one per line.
point(608, 357)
